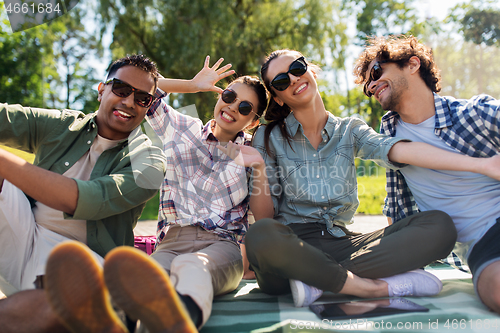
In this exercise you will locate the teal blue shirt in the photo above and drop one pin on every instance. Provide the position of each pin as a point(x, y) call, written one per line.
point(319, 185)
point(113, 199)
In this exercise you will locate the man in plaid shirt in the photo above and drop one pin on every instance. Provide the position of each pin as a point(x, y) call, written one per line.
point(401, 74)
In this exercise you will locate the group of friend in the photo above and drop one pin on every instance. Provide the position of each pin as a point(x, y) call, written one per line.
point(67, 220)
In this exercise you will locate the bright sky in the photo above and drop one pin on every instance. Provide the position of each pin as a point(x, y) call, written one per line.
point(437, 8)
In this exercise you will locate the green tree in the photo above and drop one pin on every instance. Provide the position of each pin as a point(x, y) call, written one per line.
point(470, 61)
point(31, 61)
point(72, 50)
point(478, 21)
point(380, 18)
point(22, 64)
point(385, 17)
point(178, 34)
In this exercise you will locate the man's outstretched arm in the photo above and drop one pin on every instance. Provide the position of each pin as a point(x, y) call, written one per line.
point(54, 190)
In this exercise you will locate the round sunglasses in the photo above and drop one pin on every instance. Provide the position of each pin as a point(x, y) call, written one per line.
point(375, 74)
point(229, 96)
point(123, 89)
point(297, 68)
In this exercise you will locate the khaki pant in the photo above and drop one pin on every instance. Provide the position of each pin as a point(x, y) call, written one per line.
point(24, 245)
point(307, 252)
point(201, 264)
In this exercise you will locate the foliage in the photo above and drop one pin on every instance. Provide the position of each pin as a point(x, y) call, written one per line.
point(72, 49)
point(30, 63)
point(177, 34)
point(469, 61)
point(478, 21)
point(378, 18)
point(385, 17)
point(23, 65)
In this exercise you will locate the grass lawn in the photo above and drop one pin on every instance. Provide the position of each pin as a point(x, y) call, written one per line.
point(371, 192)
point(27, 156)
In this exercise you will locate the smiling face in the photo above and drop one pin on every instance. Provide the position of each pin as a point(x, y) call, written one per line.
point(390, 88)
point(229, 122)
point(118, 116)
point(302, 89)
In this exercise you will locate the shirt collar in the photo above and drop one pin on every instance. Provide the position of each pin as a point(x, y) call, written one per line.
point(208, 135)
point(441, 109)
point(443, 115)
point(293, 124)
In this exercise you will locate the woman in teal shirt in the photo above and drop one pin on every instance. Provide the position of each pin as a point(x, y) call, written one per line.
point(300, 241)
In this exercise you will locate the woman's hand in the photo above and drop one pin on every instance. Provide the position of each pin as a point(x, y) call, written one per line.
point(243, 155)
point(206, 79)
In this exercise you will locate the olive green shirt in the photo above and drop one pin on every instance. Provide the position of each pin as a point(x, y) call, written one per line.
point(122, 180)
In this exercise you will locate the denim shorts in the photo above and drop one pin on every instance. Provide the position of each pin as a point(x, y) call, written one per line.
point(485, 252)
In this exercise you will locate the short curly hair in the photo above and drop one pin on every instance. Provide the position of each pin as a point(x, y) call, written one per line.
point(398, 49)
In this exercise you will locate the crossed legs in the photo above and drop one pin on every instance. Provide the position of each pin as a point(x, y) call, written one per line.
point(309, 254)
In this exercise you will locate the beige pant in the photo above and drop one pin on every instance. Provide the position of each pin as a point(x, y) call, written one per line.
point(201, 264)
point(24, 245)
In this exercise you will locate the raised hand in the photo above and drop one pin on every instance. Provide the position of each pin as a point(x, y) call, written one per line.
point(243, 155)
point(206, 79)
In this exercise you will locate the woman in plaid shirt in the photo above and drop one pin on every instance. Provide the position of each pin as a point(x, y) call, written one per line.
point(300, 242)
point(204, 208)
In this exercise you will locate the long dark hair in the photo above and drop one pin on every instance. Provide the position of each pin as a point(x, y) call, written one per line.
point(276, 114)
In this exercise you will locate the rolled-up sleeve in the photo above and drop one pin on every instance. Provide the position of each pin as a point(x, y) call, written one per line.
point(374, 146)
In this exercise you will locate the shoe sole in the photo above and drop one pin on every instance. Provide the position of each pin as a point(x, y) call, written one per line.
point(75, 288)
point(298, 293)
point(141, 287)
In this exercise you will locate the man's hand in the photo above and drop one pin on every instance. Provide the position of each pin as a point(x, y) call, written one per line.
point(206, 79)
point(243, 155)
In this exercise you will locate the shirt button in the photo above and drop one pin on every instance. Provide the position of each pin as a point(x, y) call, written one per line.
point(317, 176)
point(322, 197)
point(324, 140)
point(89, 142)
point(325, 208)
point(66, 163)
point(314, 155)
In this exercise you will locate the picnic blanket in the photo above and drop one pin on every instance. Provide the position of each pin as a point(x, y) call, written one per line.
point(456, 308)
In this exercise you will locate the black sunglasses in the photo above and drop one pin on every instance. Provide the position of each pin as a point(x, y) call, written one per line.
point(229, 96)
point(297, 68)
point(375, 74)
point(123, 89)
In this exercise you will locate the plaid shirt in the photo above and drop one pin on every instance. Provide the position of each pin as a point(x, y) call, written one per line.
point(319, 185)
point(203, 186)
point(470, 126)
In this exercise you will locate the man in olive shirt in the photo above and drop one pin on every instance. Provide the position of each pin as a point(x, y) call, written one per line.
point(91, 177)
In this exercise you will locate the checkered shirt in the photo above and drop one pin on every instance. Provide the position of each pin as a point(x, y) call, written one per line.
point(470, 126)
point(202, 186)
